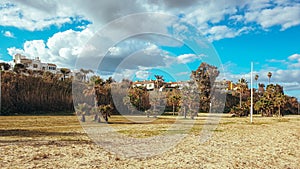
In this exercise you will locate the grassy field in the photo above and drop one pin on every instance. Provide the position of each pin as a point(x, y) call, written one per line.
point(61, 142)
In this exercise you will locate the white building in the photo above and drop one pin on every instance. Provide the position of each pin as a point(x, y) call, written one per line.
point(149, 85)
point(34, 64)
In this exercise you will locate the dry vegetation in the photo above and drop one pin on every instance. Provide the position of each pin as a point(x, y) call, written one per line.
point(60, 142)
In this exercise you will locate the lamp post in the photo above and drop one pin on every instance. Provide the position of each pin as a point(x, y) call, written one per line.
point(0, 91)
point(251, 88)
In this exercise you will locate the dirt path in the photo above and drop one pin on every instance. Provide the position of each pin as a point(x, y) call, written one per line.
point(25, 142)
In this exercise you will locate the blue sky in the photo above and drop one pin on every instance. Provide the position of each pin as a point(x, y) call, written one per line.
point(68, 34)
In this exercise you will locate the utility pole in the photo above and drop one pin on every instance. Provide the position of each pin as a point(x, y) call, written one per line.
point(251, 88)
point(0, 91)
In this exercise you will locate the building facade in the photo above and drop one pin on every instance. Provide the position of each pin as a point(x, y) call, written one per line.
point(34, 64)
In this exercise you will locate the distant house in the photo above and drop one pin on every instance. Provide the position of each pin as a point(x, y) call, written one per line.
point(149, 85)
point(34, 64)
point(170, 86)
point(220, 85)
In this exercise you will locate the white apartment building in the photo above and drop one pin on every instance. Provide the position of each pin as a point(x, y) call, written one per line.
point(34, 64)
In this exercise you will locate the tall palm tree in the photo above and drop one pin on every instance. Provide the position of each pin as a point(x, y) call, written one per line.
point(85, 72)
point(269, 76)
point(256, 78)
point(174, 99)
point(280, 101)
point(65, 72)
point(159, 80)
point(242, 86)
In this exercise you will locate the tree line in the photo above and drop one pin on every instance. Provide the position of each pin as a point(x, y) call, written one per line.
point(36, 92)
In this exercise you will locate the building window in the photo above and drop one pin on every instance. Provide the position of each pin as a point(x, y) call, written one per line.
point(35, 66)
point(52, 68)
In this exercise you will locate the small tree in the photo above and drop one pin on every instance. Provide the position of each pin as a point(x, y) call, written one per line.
point(280, 102)
point(190, 99)
point(157, 101)
point(83, 110)
point(95, 111)
point(174, 99)
point(105, 110)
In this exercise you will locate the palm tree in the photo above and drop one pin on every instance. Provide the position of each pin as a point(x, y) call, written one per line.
point(85, 72)
point(174, 99)
point(190, 99)
point(242, 86)
point(65, 71)
point(280, 101)
point(159, 80)
point(4, 66)
point(269, 76)
point(83, 109)
point(95, 110)
point(256, 78)
point(259, 106)
point(157, 102)
point(205, 76)
point(105, 111)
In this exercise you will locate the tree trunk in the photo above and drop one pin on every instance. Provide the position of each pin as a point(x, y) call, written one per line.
point(105, 117)
point(96, 117)
point(240, 99)
point(173, 109)
point(83, 118)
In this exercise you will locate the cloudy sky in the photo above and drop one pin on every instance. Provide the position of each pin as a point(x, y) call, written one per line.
point(127, 39)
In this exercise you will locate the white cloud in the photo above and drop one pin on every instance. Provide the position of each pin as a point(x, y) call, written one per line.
point(284, 16)
point(294, 61)
point(187, 58)
point(62, 48)
point(183, 73)
point(32, 15)
point(152, 50)
point(142, 74)
point(31, 18)
point(220, 32)
point(114, 51)
point(211, 11)
point(294, 57)
point(9, 34)
point(258, 5)
point(237, 18)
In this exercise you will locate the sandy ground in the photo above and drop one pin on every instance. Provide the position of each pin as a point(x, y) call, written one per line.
point(60, 142)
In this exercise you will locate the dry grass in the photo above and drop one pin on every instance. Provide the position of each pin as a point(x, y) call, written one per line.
point(60, 142)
